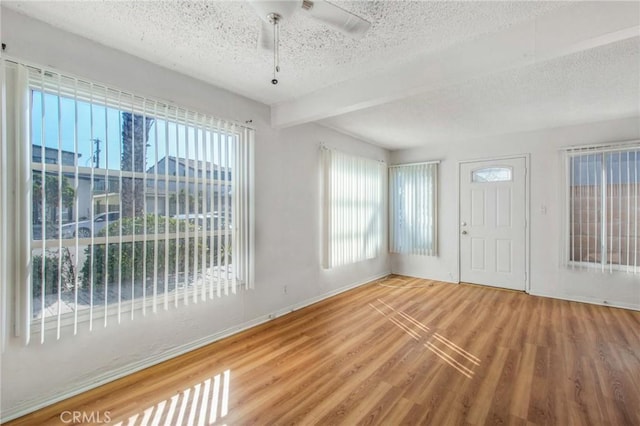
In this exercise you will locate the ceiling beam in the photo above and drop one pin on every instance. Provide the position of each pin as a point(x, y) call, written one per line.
point(566, 31)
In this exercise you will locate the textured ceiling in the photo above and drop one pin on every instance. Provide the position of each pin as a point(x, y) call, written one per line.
point(593, 85)
point(217, 41)
point(566, 62)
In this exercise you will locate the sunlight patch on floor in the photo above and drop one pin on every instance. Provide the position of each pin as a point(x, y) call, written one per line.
point(443, 348)
point(202, 404)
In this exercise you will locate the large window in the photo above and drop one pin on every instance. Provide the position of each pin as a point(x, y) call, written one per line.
point(132, 204)
point(413, 208)
point(604, 209)
point(354, 190)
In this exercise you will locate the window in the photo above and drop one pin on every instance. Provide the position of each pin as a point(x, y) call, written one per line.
point(353, 208)
point(604, 207)
point(412, 202)
point(132, 204)
point(492, 174)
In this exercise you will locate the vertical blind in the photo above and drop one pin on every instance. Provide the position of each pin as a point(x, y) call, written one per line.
point(4, 201)
point(603, 186)
point(412, 209)
point(353, 208)
point(132, 204)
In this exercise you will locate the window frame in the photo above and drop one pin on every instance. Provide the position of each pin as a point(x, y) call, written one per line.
point(433, 182)
point(334, 163)
point(569, 154)
point(18, 100)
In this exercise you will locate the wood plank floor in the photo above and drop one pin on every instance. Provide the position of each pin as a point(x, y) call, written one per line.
point(398, 351)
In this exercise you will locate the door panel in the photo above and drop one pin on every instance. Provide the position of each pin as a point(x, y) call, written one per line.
point(493, 223)
point(503, 256)
point(478, 260)
point(503, 208)
point(477, 207)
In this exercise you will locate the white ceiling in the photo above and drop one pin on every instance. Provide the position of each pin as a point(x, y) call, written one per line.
point(593, 85)
point(426, 72)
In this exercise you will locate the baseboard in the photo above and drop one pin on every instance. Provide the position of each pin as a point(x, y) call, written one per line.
point(593, 301)
point(34, 405)
point(312, 300)
point(589, 300)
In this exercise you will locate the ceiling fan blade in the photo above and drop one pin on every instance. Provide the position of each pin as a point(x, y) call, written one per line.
point(265, 37)
point(338, 18)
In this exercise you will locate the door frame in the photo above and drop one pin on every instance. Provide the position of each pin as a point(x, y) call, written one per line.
point(527, 211)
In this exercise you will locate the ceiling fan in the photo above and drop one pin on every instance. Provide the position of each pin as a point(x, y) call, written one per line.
point(273, 12)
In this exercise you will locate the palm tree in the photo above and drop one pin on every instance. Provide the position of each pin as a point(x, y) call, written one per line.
point(135, 134)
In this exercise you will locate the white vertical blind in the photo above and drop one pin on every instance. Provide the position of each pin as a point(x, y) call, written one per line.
point(118, 223)
point(4, 201)
point(353, 208)
point(603, 198)
point(24, 185)
point(413, 208)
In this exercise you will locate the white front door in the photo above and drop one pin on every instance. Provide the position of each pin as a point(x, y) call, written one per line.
point(493, 223)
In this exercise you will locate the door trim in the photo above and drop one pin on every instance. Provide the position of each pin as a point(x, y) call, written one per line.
point(527, 211)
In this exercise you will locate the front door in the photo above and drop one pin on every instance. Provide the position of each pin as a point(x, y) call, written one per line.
point(493, 226)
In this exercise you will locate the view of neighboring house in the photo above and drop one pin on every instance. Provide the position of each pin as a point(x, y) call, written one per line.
point(48, 210)
point(172, 174)
point(52, 156)
point(175, 180)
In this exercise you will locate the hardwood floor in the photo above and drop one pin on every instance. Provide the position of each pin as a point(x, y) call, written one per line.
point(399, 351)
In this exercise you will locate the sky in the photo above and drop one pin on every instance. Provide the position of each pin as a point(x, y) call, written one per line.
point(53, 124)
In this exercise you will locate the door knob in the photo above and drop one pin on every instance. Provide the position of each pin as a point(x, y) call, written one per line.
point(464, 232)
point(464, 224)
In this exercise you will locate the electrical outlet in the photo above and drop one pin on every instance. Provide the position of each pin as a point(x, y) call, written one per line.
point(285, 289)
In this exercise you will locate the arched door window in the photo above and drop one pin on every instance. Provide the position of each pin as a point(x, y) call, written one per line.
point(492, 174)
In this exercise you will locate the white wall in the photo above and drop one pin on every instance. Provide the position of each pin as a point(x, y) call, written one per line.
point(287, 225)
point(287, 201)
point(548, 276)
